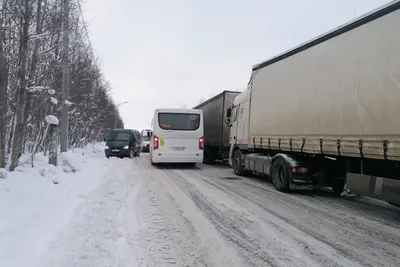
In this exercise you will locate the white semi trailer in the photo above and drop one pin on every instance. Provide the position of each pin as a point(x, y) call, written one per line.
point(326, 113)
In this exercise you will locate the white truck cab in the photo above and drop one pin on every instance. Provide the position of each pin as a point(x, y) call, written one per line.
point(239, 122)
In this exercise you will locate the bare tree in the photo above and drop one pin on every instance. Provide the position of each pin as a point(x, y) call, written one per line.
point(31, 79)
point(3, 94)
point(25, 18)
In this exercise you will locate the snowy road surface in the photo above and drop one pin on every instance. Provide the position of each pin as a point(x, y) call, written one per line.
point(205, 216)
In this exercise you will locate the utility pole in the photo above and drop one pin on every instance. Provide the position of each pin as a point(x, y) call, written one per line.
point(65, 78)
point(116, 112)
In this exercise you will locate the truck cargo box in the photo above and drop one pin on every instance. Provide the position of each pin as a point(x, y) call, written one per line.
point(338, 94)
point(216, 131)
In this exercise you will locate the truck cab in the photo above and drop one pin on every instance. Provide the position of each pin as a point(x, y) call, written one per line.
point(238, 119)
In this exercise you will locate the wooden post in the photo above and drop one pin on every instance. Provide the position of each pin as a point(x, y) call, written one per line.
point(53, 137)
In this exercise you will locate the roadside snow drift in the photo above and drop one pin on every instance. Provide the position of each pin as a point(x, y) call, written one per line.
point(36, 202)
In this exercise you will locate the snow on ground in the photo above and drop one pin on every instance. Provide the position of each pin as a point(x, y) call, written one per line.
point(36, 203)
point(129, 213)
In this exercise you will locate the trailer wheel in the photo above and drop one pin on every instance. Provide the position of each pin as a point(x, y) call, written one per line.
point(237, 163)
point(281, 175)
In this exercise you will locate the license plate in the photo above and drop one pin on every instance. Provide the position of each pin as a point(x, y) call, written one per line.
point(178, 148)
point(115, 150)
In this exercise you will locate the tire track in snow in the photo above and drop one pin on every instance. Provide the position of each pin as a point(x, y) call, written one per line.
point(198, 246)
point(356, 226)
point(160, 250)
point(369, 239)
point(161, 245)
point(373, 210)
point(260, 247)
point(179, 228)
point(231, 231)
point(225, 226)
point(351, 259)
point(318, 251)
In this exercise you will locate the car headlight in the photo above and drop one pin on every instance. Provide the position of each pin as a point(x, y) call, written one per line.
point(126, 147)
point(106, 147)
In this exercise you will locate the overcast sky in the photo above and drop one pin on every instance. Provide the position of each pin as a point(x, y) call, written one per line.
point(170, 53)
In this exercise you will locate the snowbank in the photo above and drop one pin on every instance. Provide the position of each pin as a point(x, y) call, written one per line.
point(35, 203)
point(3, 173)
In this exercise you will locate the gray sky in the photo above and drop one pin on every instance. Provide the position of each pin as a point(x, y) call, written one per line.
point(169, 53)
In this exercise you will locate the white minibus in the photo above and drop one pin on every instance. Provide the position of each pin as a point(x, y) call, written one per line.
point(177, 136)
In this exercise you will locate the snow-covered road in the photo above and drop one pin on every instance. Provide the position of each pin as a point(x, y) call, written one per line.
point(205, 216)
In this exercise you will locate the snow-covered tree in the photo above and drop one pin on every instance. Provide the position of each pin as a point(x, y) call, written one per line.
point(30, 79)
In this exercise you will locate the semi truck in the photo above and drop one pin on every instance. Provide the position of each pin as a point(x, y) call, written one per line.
point(216, 131)
point(326, 113)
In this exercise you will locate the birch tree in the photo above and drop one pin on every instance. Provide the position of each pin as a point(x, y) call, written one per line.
point(3, 92)
point(30, 79)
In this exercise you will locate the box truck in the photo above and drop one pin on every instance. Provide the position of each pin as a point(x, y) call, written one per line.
point(216, 130)
point(326, 113)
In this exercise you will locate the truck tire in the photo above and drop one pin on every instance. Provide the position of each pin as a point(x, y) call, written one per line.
point(281, 175)
point(207, 160)
point(237, 163)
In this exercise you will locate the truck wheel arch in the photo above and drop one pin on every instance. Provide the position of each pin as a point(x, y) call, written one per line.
point(291, 161)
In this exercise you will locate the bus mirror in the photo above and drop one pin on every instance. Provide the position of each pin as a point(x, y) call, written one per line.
point(229, 112)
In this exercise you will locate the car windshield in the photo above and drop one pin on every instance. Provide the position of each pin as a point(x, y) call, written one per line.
point(179, 121)
point(145, 138)
point(118, 136)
